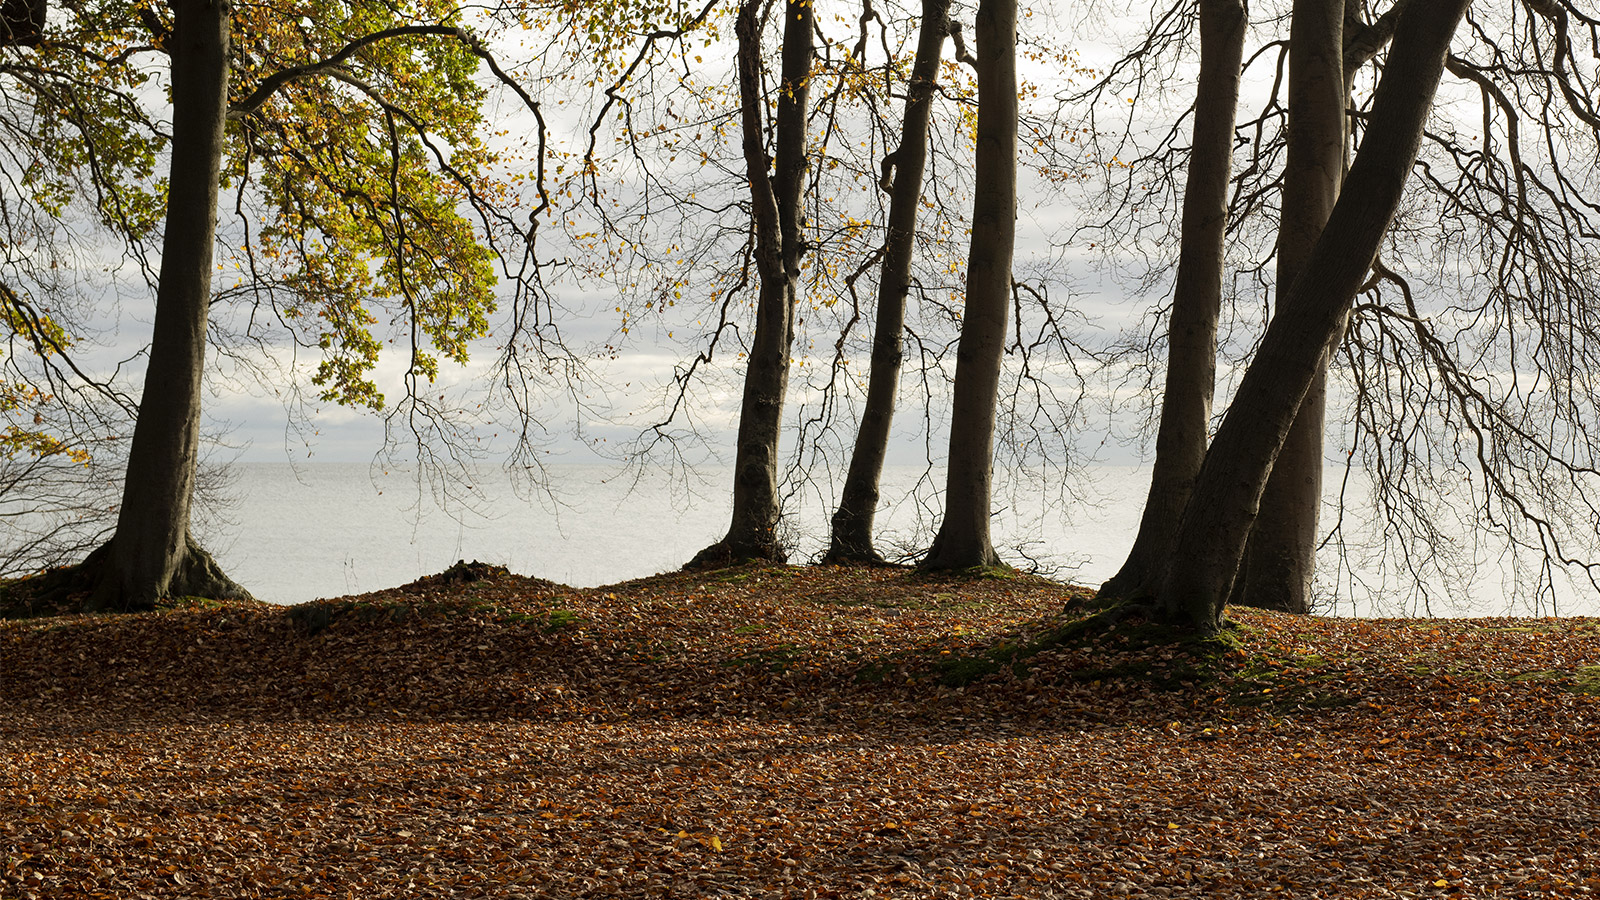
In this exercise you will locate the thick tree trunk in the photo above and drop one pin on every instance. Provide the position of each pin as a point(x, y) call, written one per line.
point(963, 539)
point(1281, 555)
point(776, 219)
point(1227, 494)
point(858, 503)
point(151, 555)
point(1196, 300)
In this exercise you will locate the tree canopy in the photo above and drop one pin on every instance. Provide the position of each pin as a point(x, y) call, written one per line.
point(389, 189)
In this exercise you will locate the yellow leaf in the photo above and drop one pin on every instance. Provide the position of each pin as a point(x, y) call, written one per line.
point(716, 843)
point(1441, 883)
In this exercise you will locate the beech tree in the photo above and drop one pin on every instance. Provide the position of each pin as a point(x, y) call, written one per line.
point(77, 149)
point(776, 220)
point(1277, 569)
point(1487, 271)
point(151, 554)
point(963, 540)
point(356, 192)
point(666, 242)
point(1197, 296)
point(655, 224)
point(1194, 589)
point(851, 537)
point(1280, 559)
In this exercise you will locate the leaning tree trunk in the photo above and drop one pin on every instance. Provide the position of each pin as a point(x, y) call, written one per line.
point(858, 503)
point(1197, 298)
point(1280, 557)
point(963, 539)
point(151, 555)
point(776, 220)
point(1217, 521)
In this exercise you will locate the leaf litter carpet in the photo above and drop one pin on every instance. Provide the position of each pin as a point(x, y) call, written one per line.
point(788, 732)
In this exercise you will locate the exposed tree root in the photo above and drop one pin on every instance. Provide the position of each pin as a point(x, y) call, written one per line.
point(725, 553)
point(852, 553)
point(1112, 614)
point(60, 591)
point(1139, 601)
point(93, 586)
point(960, 556)
point(200, 576)
point(1121, 586)
point(851, 541)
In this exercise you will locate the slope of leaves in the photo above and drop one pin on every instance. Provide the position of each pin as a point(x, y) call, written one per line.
point(777, 732)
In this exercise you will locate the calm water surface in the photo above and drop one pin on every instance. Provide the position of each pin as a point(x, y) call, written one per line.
point(300, 532)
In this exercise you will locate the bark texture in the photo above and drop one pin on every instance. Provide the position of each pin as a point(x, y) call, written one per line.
point(776, 221)
point(1217, 521)
point(1281, 556)
point(851, 539)
point(1196, 300)
point(151, 555)
point(963, 540)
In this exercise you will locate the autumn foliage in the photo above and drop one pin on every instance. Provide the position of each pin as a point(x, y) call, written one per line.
point(772, 732)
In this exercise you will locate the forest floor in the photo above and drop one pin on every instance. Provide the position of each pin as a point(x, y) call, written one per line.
point(789, 732)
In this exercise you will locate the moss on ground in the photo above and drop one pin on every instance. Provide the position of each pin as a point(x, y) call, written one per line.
point(1130, 648)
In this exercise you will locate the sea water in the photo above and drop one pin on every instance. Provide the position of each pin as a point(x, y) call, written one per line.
point(297, 532)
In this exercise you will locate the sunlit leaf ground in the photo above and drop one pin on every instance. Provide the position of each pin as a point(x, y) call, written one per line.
point(811, 732)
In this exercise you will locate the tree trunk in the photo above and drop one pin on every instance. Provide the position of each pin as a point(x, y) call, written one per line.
point(151, 555)
point(1196, 300)
point(1227, 494)
point(963, 539)
point(858, 504)
point(776, 220)
point(1281, 555)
